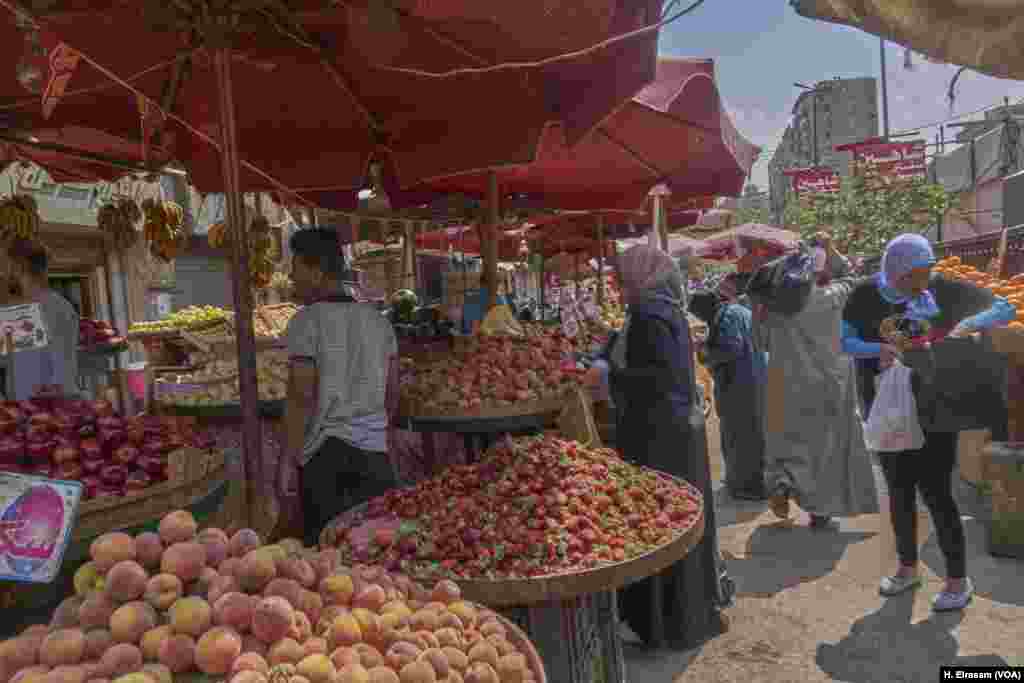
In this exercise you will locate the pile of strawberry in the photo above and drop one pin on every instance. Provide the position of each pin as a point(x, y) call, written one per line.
point(534, 506)
point(493, 372)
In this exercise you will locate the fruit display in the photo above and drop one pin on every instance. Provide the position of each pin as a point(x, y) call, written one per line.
point(19, 217)
point(93, 333)
point(87, 442)
point(181, 601)
point(164, 229)
point(263, 252)
point(272, 321)
point(216, 383)
point(492, 372)
point(118, 219)
point(193, 317)
point(534, 506)
point(1011, 289)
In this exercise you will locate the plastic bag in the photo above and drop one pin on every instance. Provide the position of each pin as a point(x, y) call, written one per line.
point(501, 321)
point(784, 285)
point(893, 424)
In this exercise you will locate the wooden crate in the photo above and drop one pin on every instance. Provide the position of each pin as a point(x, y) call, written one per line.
point(456, 284)
point(1004, 475)
point(970, 454)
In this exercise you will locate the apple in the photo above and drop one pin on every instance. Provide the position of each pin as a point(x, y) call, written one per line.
point(102, 408)
point(39, 433)
point(126, 455)
point(93, 465)
point(12, 450)
point(91, 449)
point(70, 471)
point(39, 451)
point(137, 481)
point(114, 475)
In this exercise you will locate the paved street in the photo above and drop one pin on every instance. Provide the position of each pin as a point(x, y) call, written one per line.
point(808, 607)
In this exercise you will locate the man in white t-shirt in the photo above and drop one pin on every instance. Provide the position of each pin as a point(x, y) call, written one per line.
point(336, 418)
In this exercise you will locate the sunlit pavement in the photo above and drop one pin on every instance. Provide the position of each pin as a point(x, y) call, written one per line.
point(808, 607)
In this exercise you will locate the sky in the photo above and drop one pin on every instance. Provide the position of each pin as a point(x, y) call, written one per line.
point(761, 47)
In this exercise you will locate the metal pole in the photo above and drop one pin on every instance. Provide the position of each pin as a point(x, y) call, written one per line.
point(600, 260)
point(942, 139)
point(654, 236)
point(241, 291)
point(885, 90)
point(814, 124)
point(489, 248)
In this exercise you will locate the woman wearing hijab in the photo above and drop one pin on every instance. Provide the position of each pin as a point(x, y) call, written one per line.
point(739, 372)
point(814, 439)
point(661, 425)
point(906, 288)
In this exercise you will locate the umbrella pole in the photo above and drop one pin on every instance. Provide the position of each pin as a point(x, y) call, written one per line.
point(663, 229)
point(600, 261)
point(652, 236)
point(542, 278)
point(252, 469)
point(490, 245)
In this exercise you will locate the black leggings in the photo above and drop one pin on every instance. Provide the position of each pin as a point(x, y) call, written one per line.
point(930, 471)
point(338, 478)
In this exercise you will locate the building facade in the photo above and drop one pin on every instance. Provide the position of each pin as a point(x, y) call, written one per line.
point(835, 112)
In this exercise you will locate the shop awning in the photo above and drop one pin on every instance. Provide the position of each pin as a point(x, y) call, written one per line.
point(985, 35)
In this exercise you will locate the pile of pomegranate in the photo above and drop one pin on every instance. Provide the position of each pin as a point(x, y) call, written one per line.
point(493, 372)
point(163, 604)
point(87, 441)
point(92, 333)
point(535, 506)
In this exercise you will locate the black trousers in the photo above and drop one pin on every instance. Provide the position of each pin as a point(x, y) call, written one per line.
point(930, 471)
point(340, 477)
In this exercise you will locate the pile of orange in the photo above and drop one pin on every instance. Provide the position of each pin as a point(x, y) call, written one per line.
point(1012, 289)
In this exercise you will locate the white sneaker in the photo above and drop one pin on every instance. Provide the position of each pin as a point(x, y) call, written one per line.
point(895, 585)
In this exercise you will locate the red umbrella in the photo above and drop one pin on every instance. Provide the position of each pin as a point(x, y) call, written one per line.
point(674, 131)
point(74, 154)
point(320, 92)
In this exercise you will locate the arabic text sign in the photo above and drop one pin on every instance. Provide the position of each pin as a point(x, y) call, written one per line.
point(24, 324)
point(814, 181)
point(893, 159)
point(37, 516)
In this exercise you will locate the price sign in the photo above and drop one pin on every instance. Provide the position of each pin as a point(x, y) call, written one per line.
point(37, 516)
point(22, 328)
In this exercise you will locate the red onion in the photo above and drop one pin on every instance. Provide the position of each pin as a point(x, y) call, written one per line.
point(93, 465)
point(70, 471)
point(63, 454)
point(126, 455)
point(91, 449)
point(114, 475)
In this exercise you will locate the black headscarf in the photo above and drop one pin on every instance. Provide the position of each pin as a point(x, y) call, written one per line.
point(705, 304)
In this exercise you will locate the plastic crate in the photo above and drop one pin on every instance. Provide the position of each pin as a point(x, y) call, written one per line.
point(576, 639)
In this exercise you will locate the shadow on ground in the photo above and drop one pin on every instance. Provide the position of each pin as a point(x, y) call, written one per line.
point(781, 556)
point(884, 647)
point(730, 511)
point(995, 578)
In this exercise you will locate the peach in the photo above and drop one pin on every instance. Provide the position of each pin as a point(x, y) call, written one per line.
point(31, 674)
point(481, 672)
point(216, 543)
point(217, 650)
point(272, 619)
point(249, 677)
point(324, 563)
point(85, 579)
point(298, 569)
point(251, 643)
point(120, 660)
point(244, 541)
point(345, 631)
point(343, 656)
point(438, 661)
point(449, 637)
point(126, 581)
point(512, 668)
point(220, 587)
point(178, 653)
point(184, 560)
point(97, 641)
point(353, 673)
point(163, 590)
point(66, 673)
point(256, 570)
point(371, 597)
point(402, 653)
point(314, 646)
point(484, 652)
point(229, 567)
point(457, 659)
point(289, 589)
point(177, 527)
point(96, 611)
point(369, 656)
point(62, 647)
point(149, 548)
point(152, 640)
point(310, 604)
point(337, 589)
point(131, 620)
point(446, 592)
point(159, 672)
point(66, 614)
point(234, 610)
point(301, 629)
point(201, 586)
point(109, 549)
point(317, 668)
point(417, 672)
point(190, 616)
point(382, 674)
point(250, 661)
point(285, 651)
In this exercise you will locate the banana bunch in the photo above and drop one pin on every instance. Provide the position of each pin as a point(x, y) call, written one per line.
point(118, 220)
point(164, 229)
point(261, 256)
point(218, 236)
point(19, 217)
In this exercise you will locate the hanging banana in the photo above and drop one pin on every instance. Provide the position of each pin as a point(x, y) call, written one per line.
point(119, 220)
point(164, 229)
point(19, 217)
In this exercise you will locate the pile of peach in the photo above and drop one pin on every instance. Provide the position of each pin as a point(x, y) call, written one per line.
point(1011, 289)
point(184, 600)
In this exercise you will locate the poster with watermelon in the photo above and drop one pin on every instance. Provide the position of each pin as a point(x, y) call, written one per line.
point(22, 328)
point(36, 519)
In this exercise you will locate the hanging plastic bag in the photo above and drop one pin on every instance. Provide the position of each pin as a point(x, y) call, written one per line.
point(784, 285)
point(893, 424)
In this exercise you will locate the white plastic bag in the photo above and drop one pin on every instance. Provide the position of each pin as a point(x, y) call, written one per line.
point(893, 424)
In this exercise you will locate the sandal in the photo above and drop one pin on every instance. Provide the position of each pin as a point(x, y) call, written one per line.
point(892, 586)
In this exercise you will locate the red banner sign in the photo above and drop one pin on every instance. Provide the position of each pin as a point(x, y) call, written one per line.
point(889, 159)
point(814, 180)
point(61, 65)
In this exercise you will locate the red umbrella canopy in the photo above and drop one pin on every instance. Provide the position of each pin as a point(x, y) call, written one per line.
point(674, 131)
point(321, 89)
point(55, 151)
point(466, 240)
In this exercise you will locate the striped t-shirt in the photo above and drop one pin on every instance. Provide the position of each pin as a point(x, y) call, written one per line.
point(351, 344)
